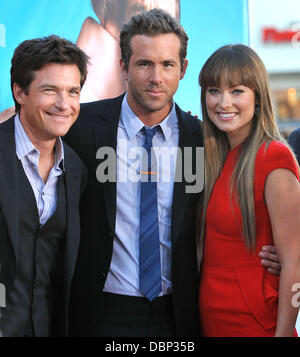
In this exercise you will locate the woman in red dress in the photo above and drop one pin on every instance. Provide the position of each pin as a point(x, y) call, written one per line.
point(251, 199)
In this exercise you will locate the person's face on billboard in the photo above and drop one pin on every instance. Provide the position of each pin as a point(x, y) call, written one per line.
point(136, 6)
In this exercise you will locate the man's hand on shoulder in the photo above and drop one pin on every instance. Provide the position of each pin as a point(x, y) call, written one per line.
point(270, 259)
point(195, 116)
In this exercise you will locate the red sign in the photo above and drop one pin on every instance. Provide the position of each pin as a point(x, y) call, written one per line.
point(271, 34)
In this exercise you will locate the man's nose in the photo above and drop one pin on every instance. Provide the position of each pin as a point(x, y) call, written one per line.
point(156, 75)
point(62, 101)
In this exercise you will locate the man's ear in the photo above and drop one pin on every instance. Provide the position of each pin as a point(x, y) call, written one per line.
point(18, 93)
point(183, 68)
point(124, 71)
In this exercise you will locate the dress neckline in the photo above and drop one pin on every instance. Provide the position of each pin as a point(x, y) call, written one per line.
point(235, 149)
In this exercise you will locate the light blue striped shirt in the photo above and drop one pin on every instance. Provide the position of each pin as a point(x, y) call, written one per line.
point(123, 277)
point(45, 193)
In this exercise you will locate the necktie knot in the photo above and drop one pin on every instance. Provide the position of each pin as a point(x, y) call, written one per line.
point(149, 133)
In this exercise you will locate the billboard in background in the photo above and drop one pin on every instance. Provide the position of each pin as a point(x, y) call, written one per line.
point(209, 24)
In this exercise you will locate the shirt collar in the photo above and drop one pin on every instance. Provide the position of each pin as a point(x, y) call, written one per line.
point(25, 147)
point(59, 154)
point(133, 124)
point(169, 123)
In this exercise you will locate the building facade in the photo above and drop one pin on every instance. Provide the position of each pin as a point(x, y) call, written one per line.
point(274, 33)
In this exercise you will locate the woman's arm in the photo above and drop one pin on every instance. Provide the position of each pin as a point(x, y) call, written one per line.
point(282, 196)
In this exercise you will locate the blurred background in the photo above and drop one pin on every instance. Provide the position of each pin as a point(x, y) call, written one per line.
point(272, 28)
point(274, 33)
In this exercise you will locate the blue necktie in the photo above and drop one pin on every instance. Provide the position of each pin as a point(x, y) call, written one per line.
point(149, 256)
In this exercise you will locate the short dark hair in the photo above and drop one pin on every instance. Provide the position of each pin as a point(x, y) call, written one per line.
point(151, 23)
point(32, 55)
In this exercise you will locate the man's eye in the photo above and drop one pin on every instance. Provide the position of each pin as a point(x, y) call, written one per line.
point(144, 64)
point(48, 90)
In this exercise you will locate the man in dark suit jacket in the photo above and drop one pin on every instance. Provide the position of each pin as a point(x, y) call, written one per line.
point(97, 127)
point(106, 297)
point(40, 184)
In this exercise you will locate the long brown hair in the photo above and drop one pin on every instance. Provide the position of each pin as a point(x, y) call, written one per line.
point(236, 64)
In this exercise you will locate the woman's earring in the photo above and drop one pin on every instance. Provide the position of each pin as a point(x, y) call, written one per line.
point(256, 110)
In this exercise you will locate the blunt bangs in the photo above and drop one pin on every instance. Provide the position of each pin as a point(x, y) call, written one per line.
point(229, 66)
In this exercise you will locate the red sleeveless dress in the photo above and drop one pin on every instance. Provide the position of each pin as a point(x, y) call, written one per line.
point(237, 296)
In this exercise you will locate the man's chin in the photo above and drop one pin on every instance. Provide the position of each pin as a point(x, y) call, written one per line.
point(156, 106)
point(62, 129)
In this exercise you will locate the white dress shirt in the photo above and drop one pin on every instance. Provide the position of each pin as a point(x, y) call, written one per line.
point(123, 277)
point(45, 193)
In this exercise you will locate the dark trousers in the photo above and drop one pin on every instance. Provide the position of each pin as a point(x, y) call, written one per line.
point(130, 316)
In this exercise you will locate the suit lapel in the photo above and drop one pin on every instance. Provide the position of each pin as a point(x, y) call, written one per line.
point(106, 136)
point(186, 139)
point(72, 187)
point(9, 189)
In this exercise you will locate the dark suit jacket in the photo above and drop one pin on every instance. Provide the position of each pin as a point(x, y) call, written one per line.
point(96, 127)
point(75, 180)
point(294, 141)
